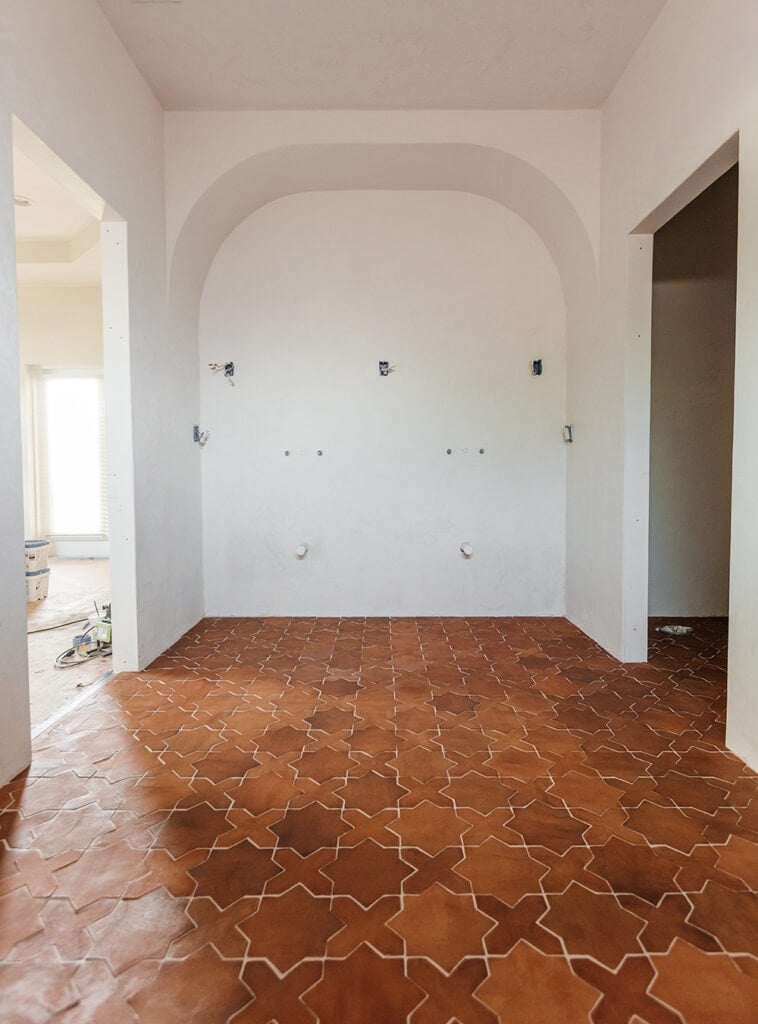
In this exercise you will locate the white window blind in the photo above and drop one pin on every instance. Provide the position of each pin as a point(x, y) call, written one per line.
point(69, 428)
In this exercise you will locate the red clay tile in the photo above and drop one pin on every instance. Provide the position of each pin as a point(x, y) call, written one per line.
point(139, 929)
point(202, 987)
point(541, 824)
point(364, 987)
point(365, 924)
point(100, 873)
point(367, 872)
point(450, 997)
point(625, 992)
point(310, 828)
point(427, 763)
point(442, 926)
point(428, 827)
point(286, 929)
point(507, 872)
point(36, 995)
point(229, 874)
point(647, 872)
point(516, 923)
point(593, 924)
point(211, 924)
point(526, 987)
point(730, 915)
point(704, 988)
point(371, 793)
point(278, 999)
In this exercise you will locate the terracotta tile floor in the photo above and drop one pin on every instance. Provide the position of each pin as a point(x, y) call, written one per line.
point(375, 821)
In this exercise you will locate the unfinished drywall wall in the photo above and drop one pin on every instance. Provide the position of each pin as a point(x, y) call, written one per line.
point(66, 77)
point(458, 295)
point(692, 404)
point(690, 88)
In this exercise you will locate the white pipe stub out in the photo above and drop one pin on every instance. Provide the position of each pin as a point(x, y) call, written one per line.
point(301, 550)
point(466, 549)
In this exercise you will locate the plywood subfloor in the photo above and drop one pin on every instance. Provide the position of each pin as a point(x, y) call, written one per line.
point(75, 584)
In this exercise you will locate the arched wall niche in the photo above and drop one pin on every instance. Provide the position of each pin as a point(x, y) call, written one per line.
point(493, 174)
point(456, 167)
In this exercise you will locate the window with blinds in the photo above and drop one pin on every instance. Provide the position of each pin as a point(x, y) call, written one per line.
point(69, 441)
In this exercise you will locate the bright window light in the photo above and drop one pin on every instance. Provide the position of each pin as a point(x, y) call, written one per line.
point(72, 438)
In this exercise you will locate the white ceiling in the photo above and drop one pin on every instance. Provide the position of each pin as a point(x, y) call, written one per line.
point(57, 240)
point(381, 54)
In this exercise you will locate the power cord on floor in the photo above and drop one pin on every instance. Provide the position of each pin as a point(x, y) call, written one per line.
point(61, 625)
point(94, 642)
point(84, 650)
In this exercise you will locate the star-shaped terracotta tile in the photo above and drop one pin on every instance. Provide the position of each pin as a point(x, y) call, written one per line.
point(229, 874)
point(442, 926)
point(139, 929)
point(324, 763)
point(310, 828)
point(507, 872)
point(364, 987)
point(371, 793)
point(367, 872)
point(555, 993)
point(202, 987)
point(428, 827)
point(286, 929)
point(593, 924)
point(704, 987)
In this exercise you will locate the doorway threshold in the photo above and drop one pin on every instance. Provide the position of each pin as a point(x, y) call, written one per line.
point(71, 705)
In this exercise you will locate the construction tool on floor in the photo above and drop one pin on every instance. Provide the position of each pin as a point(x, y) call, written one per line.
point(94, 642)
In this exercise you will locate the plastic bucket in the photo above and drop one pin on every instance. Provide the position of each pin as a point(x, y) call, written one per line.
point(36, 554)
point(37, 584)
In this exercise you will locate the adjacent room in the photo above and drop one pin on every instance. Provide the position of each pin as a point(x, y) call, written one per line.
point(60, 334)
point(389, 370)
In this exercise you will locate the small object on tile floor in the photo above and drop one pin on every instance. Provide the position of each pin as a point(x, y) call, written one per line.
point(675, 630)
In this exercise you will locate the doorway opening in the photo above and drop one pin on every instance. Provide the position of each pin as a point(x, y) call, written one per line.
point(64, 450)
point(692, 416)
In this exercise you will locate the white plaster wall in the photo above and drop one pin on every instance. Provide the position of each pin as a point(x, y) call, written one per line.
point(692, 84)
point(692, 405)
point(65, 75)
point(306, 296)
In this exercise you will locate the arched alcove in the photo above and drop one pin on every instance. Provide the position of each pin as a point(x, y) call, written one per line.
point(476, 171)
point(457, 167)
